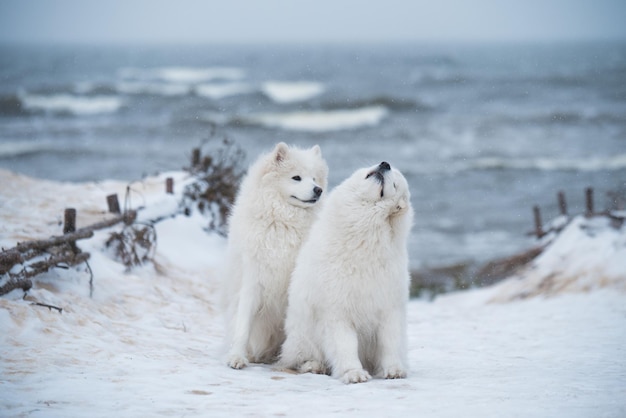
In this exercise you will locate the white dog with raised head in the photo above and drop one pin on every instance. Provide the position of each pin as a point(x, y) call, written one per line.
point(349, 290)
point(273, 212)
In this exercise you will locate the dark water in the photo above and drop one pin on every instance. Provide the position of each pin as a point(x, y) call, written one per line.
point(482, 132)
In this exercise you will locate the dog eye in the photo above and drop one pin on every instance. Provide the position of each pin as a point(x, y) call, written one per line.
point(296, 178)
point(395, 187)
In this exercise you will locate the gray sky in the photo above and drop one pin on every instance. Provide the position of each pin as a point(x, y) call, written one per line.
point(197, 21)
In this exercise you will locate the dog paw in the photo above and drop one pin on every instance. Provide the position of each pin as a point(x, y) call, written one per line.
point(394, 372)
point(312, 366)
point(355, 376)
point(237, 362)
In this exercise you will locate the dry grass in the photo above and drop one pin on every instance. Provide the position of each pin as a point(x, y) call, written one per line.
point(218, 169)
point(133, 245)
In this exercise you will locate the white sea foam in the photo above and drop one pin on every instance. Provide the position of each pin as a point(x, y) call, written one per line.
point(320, 121)
point(184, 75)
point(67, 103)
point(196, 75)
point(222, 90)
point(290, 92)
point(614, 162)
point(155, 88)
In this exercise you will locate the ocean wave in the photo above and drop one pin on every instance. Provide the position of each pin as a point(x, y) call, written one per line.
point(417, 167)
point(218, 91)
point(318, 121)
point(559, 117)
point(588, 164)
point(440, 77)
point(11, 106)
point(93, 89)
point(584, 117)
point(12, 149)
point(182, 75)
point(71, 104)
point(389, 102)
point(153, 88)
point(291, 92)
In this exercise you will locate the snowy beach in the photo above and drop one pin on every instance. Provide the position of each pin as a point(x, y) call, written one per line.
point(548, 342)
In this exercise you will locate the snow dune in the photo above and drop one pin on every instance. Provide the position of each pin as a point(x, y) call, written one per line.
point(149, 341)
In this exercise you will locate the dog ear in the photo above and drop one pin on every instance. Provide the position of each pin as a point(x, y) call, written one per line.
point(280, 152)
point(317, 150)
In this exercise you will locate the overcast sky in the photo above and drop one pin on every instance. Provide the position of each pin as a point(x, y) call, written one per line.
point(206, 21)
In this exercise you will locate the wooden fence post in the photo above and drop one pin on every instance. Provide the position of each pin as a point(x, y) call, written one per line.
point(589, 201)
point(538, 226)
point(69, 224)
point(113, 203)
point(195, 157)
point(562, 203)
point(169, 185)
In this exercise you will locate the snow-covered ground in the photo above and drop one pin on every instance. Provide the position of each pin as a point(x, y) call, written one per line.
point(148, 342)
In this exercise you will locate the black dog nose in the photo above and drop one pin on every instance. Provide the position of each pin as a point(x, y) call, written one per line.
point(384, 166)
point(317, 191)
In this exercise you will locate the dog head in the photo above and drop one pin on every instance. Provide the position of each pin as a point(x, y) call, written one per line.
point(300, 175)
point(381, 187)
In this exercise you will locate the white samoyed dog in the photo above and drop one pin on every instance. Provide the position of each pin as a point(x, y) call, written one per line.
point(276, 204)
point(349, 289)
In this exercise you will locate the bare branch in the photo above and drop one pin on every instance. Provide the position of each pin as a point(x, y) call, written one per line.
point(39, 267)
point(45, 305)
point(16, 283)
point(54, 241)
point(8, 259)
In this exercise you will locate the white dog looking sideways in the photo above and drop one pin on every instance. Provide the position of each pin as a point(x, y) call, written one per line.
point(349, 290)
point(276, 204)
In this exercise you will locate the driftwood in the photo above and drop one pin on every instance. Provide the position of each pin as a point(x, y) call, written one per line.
point(128, 218)
point(62, 249)
point(53, 241)
point(16, 283)
point(16, 255)
point(59, 251)
point(8, 259)
point(25, 251)
point(68, 258)
point(63, 258)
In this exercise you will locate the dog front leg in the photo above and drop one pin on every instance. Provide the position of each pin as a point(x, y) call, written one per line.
point(391, 352)
point(342, 350)
point(248, 305)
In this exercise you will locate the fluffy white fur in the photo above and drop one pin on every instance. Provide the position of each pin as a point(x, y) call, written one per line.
point(275, 207)
point(348, 294)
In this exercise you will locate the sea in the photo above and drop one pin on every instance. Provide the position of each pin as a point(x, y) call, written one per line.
point(482, 132)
